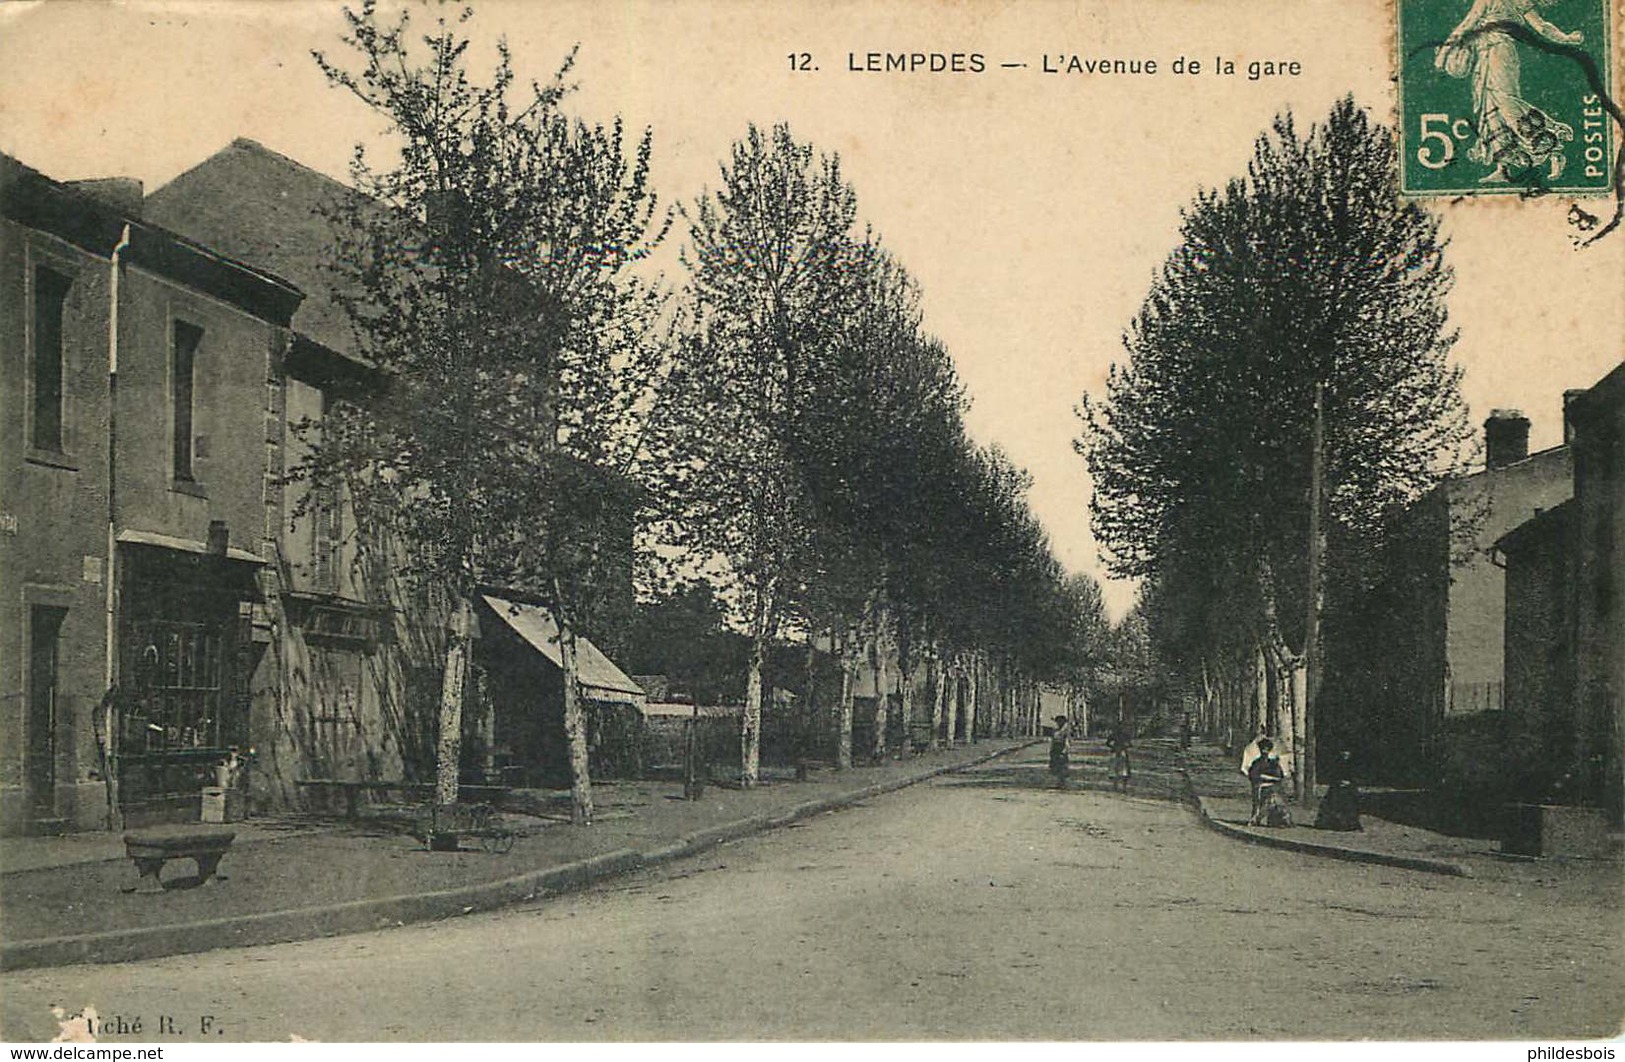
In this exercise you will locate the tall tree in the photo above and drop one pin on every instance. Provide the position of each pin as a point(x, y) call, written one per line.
point(1308, 275)
point(486, 275)
point(769, 287)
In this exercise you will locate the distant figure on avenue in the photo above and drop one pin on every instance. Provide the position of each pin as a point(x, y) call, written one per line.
point(1341, 808)
point(1185, 731)
point(1118, 744)
point(1251, 753)
point(1266, 776)
point(1513, 134)
point(1060, 762)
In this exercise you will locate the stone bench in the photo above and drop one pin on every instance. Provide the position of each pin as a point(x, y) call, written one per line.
point(152, 848)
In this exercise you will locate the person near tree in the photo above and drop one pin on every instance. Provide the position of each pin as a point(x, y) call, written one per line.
point(1122, 738)
point(1060, 760)
point(1341, 808)
point(1266, 776)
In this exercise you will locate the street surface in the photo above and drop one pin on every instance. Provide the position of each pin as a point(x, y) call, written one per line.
point(980, 905)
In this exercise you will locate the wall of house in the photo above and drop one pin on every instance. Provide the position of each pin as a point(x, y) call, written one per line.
point(1539, 657)
point(1599, 494)
point(326, 704)
point(1493, 502)
point(57, 556)
point(228, 420)
point(53, 527)
point(1427, 709)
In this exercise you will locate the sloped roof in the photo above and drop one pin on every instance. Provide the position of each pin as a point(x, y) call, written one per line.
point(265, 209)
point(1538, 532)
point(97, 222)
point(1595, 401)
point(537, 627)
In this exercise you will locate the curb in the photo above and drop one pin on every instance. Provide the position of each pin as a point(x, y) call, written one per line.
point(306, 923)
point(359, 916)
point(1351, 855)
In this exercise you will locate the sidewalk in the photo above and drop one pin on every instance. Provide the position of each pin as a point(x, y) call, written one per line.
point(293, 879)
point(1224, 800)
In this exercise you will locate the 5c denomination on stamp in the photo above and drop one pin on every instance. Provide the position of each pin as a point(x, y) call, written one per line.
point(1504, 96)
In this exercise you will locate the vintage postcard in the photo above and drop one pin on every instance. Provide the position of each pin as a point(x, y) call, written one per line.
point(745, 521)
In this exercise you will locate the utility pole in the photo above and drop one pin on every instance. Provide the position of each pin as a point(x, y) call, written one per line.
point(1311, 627)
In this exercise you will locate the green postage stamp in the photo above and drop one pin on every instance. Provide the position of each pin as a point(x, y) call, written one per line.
point(1505, 96)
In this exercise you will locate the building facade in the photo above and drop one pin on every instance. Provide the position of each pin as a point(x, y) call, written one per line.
point(1428, 709)
point(1565, 630)
point(136, 498)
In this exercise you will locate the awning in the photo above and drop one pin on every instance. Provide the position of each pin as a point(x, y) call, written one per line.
point(602, 679)
point(184, 545)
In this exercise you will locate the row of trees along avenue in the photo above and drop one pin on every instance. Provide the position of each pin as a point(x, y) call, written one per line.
point(781, 420)
point(1288, 393)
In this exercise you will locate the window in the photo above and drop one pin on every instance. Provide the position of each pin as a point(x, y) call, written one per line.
point(187, 338)
point(327, 535)
point(327, 522)
point(50, 294)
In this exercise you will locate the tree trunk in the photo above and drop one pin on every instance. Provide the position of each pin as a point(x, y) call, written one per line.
point(939, 676)
point(1311, 628)
point(488, 723)
point(877, 656)
point(1297, 686)
point(905, 678)
point(750, 728)
point(575, 724)
point(952, 706)
point(448, 751)
point(806, 717)
point(1003, 680)
point(970, 705)
point(1262, 695)
point(1290, 676)
point(849, 669)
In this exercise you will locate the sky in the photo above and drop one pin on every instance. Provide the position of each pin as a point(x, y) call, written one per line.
point(1034, 208)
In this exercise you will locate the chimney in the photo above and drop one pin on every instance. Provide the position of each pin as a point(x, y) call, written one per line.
point(1506, 437)
point(1569, 397)
point(121, 193)
point(219, 538)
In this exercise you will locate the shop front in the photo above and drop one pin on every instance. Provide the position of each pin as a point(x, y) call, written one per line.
point(186, 654)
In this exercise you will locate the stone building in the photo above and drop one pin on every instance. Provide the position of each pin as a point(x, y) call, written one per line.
point(1565, 625)
point(138, 502)
point(172, 601)
point(1427, 707)
point(360, 682)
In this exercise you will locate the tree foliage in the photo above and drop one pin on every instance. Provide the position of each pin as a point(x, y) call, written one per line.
point(486, 272)
point(1310, 270)
point(768, 289)
point(1307, 276)
point(827, 470)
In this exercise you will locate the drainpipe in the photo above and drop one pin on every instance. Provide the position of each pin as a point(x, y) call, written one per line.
point(110, 720)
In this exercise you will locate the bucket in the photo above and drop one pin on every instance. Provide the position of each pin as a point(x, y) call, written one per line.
point(214, 804)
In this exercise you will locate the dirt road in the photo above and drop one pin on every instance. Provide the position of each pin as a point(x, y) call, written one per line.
point(981, 905)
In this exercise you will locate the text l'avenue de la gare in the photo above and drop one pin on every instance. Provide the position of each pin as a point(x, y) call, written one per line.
point(1061, 64)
